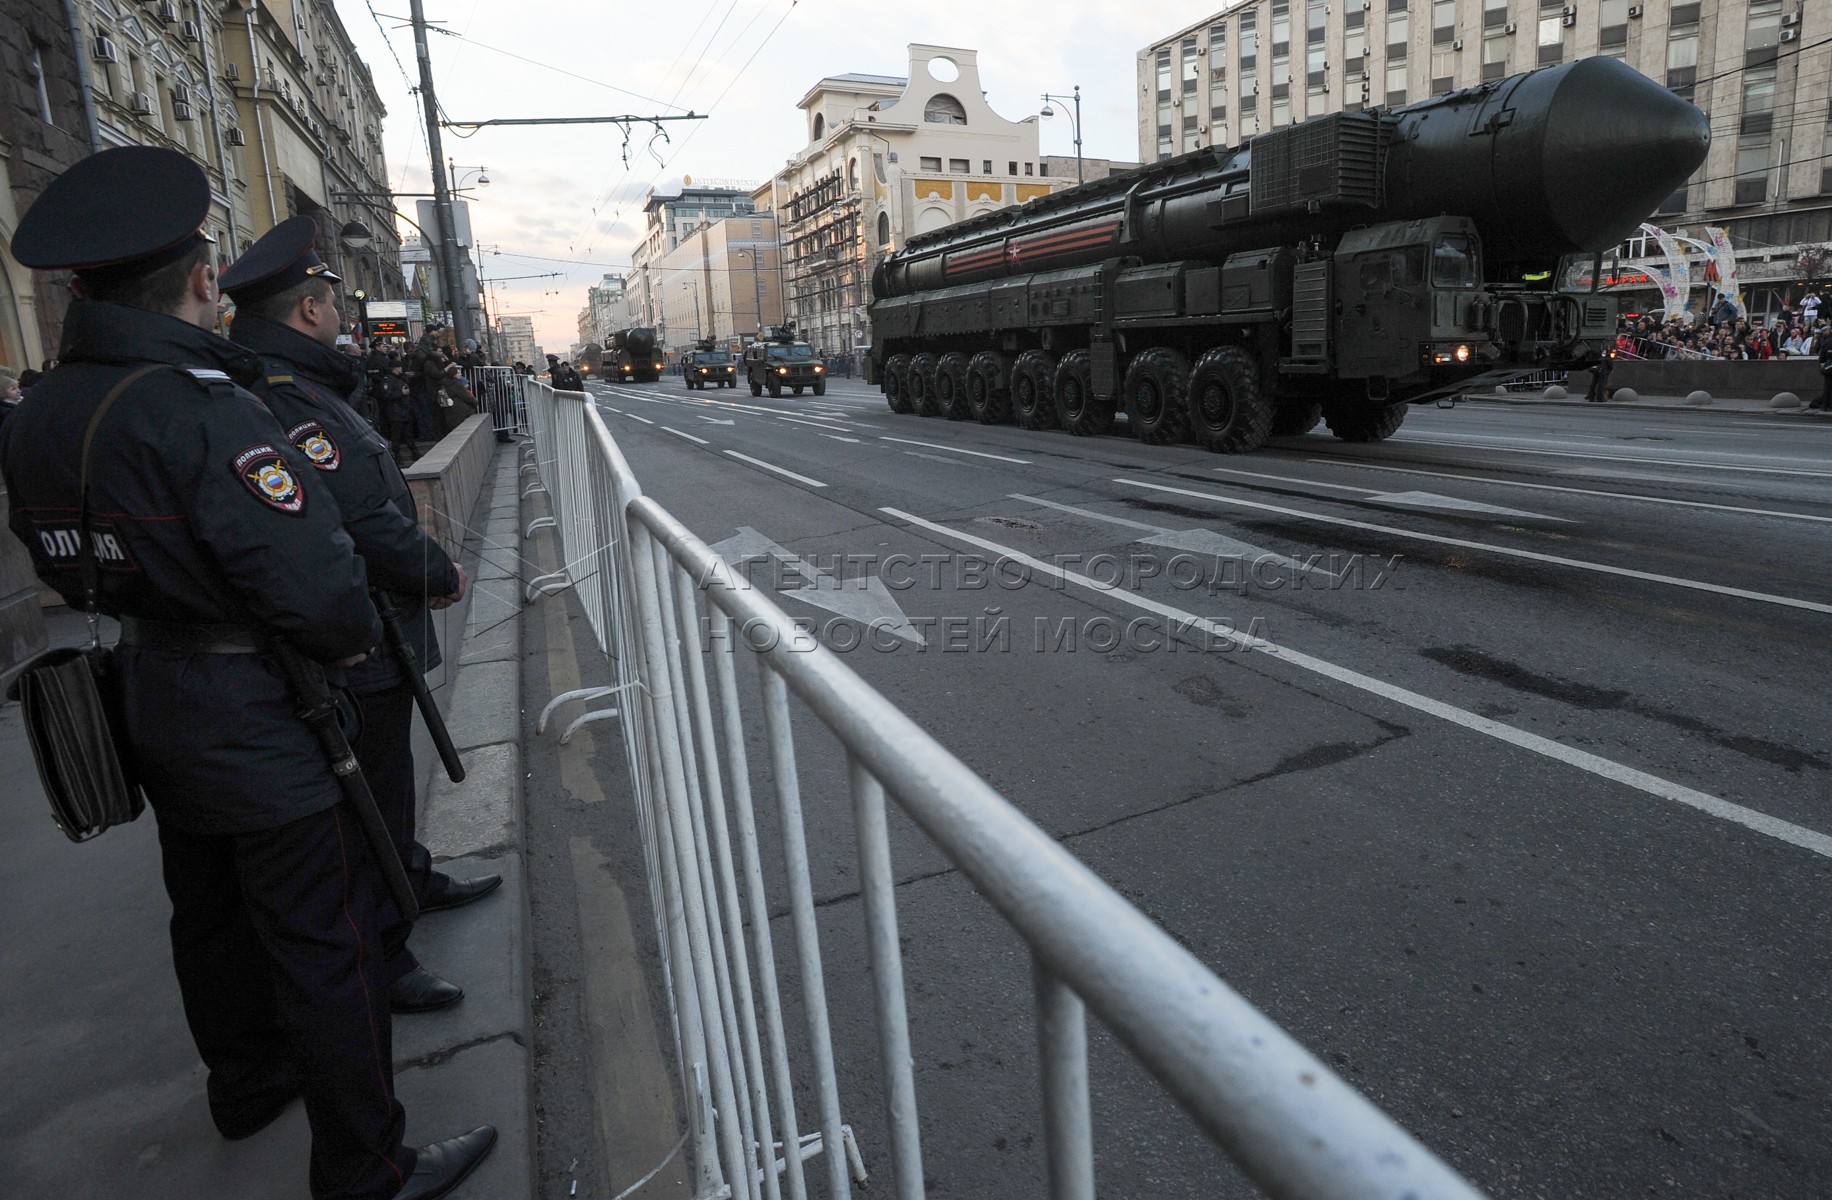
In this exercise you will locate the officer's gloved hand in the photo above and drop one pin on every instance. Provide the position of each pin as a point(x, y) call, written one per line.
point(438, 602)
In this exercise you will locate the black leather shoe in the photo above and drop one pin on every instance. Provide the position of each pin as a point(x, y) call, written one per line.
point(442, 1166)
point(245, 1120)
point(445, 892)
point(421, 991)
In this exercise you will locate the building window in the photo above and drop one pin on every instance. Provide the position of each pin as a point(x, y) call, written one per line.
point(1043, 168)
point(820, 126)
point(944, 109)
point(1495, 56)
point(1013, 167)
point(986, 166)
point(960, 166)
point(1191, 59)
point(1316, 67)
point(1612, 24)
point(36, 65)
point(1758, 101)
point(1752, 171)
point(1443, 22)
point(1218, 100)
point(1398, 36)
point(1316, 18)
point(1249, 41)
point(1494, 13)
point(1027, 168)
point(1396, 83)
point(1552, 38)
point(884, 228)
point(1281, 27)
point(1674, 204)
point(1355, 54)
point(930, 164)
point(1218, 48)
point(1682, 57)
point(1763, 39)
point(1163, 62)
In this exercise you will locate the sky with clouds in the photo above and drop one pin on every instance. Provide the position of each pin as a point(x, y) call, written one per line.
point(561, 199)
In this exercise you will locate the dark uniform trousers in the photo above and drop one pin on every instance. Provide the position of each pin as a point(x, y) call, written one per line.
point(276, 945)
point(385, 753)
point(208, 518)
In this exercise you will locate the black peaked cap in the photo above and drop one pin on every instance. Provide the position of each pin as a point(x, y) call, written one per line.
point(122, 212)
point(281, 258)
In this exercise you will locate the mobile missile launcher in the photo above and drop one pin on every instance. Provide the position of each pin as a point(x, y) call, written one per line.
point(631, 355)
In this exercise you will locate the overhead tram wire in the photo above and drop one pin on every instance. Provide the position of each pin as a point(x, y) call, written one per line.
point(401, 67)
point(736, 76)
point(606, 196)
point(558, 70)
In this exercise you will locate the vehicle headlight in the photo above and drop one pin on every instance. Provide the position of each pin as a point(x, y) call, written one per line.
point(818, 370)
point(782, 370)
point(658, 366)
point(1463, 353)
point(731, 370)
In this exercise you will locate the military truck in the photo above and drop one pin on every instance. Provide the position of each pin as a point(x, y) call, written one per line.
point(632, 356)
point(709, 364)
point(779, 359)
point(1339, 269)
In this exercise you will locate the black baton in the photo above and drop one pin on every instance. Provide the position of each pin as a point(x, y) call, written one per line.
point(318, 709)
point(416, 682)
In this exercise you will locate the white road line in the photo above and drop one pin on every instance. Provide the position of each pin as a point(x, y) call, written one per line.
point(1340, 487)
point(758, 462)
point(618, 411)
point(812, 424)
point(836, 437)
point(1621, 458)
point(1507, 551)
point(688, 436)
point(1553, 487)
point(634, 417)
point(954, 450)
point(1758, 822)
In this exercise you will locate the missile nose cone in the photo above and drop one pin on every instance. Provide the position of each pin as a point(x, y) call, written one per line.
point(1621, 143)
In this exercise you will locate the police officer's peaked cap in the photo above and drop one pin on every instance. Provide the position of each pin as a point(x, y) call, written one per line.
point(120, 213)
point(281, 258)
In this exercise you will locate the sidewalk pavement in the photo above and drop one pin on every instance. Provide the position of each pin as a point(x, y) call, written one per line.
point(104, 1096)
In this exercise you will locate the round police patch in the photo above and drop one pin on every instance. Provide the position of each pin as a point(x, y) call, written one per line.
point(264, 471)
point(315, 444)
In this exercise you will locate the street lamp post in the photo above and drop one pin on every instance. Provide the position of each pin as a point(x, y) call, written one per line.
point(756, 289)
point(362, 316)
point(1050, 112)
point(688, 283)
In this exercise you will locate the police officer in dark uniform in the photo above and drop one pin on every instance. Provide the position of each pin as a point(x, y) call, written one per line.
point(213, 539)
point(286, 312)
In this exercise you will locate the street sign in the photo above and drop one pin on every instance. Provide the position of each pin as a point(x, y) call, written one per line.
point(386, 328)
point(393, 310)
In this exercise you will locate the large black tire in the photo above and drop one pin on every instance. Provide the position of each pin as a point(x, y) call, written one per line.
point(820, 387)
point(1033, 390)
point(1082, 413)
point(951, 386)
point(1295, 417)
point(1157, 396)
point(989, 388)
point(897, 384)
point(922, 385)
point(775, 390)
point(797, 389)
point(756, 388)
point(1361, 423)
point(1228, 412)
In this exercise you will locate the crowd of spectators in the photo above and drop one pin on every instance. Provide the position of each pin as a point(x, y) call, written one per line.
point(1797, 331)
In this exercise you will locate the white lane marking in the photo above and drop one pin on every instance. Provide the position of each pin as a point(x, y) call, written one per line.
point(1426, 500)
point(1621, 458)
point(1759, 822)
point(634, 417)
point(1196, 541)
point(1616, 473)
point(865, 599)
point(758, 462)
point(677, 433)
point(836, 437)
point(618, 411)
point(814, 424)
point(1553, 487)
point(1486, 547)
point(954, 450)
point(714, 420)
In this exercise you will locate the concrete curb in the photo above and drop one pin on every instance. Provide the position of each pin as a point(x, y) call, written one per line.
point(1759, 408)
point(474, 1063)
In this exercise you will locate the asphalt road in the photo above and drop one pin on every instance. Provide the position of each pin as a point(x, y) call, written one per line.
point(1518, 815)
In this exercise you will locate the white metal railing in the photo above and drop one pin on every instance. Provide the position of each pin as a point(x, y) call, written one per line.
point(673, 617)
point(496, 391)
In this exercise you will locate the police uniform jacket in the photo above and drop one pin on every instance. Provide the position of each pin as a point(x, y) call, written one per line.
point(201, 514)
point(311, 388)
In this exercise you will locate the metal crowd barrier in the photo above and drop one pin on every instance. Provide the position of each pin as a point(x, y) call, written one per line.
point(673, 617)
point(497, 393)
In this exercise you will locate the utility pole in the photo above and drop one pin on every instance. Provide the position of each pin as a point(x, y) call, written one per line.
point(447, 252)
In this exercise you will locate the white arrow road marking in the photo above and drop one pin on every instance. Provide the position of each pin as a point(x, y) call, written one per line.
point(1196, 541)
point(1433, 500)
point(865, 599)
point(715, 420)
point(758, 462)
point(677, 433)
point(1578, 491)
point(1402, 499)
point(1796, 835)
point(885, 437)
point(1643, 461)
point(1491, 548)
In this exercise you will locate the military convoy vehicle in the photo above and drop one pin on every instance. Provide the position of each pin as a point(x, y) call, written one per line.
point(780, 360)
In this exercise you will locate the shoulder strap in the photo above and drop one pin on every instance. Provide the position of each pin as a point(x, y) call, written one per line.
point(90, 568)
